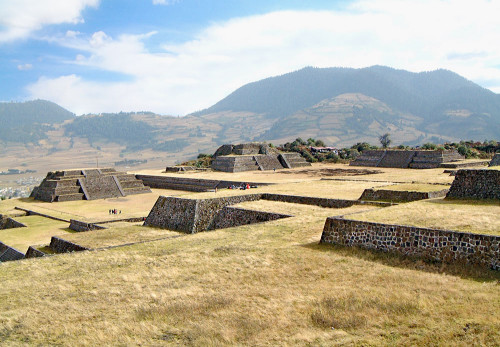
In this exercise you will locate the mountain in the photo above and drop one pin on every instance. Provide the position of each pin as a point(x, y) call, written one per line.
point(441, 104)
point(28, 121)
point(341, 106)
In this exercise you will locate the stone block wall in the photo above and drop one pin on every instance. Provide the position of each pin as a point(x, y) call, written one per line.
point(230, 217)
point(34, 253)
point(80, 226)
point(475, 184)
point(292, 160)
point(173, 213)
point(9, 223)
point(399, 196)
point(416, 159)
point(59, 245)
point(433, 244)
point(8, 253)
point(495, 161)
point(100, 187)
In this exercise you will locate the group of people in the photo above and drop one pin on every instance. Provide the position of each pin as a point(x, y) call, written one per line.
point(243, 186)
point(115, 211)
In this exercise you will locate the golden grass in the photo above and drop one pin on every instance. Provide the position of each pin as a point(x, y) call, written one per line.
point(118, 234)
point(468, 216)
point(39, 230)
point(263, 284)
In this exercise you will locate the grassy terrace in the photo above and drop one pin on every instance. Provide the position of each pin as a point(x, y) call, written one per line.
point(468, 216)
point(261, 284)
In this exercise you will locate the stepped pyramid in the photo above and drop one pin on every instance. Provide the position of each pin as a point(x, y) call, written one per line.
point(253, 157)
point(88, 184)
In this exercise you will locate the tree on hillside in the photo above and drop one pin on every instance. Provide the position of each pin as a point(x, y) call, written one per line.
point(385, 140)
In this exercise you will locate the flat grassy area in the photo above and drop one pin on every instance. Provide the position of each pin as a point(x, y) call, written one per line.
point(39, 230)
point(263, 284)
point(467, 216)
point(118, 234)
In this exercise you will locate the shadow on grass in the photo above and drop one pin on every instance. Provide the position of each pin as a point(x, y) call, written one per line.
point(466, 271)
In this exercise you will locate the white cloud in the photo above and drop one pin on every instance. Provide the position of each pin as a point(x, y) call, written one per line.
point(22, 17)
point(418, 36)
point(24, 67)
point(165, 2)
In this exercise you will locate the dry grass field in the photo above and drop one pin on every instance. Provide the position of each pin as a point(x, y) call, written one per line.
point(264, 284)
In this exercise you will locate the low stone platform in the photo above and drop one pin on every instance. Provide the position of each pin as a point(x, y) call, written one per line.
point(415, 159)
point(399, 196)
point(495, 161)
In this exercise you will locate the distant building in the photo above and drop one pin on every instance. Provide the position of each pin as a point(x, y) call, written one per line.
point(324, 150)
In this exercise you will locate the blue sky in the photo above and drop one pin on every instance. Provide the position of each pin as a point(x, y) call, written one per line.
point(178, 56)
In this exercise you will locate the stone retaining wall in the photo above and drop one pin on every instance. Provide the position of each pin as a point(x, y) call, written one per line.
point(475, 184)
point(230, 217)
point(9, 223)
point(495, 161)
point(322, 202)
point(59, 245)
point(416, 159)
point(400, 196)
point(433, 244)
point(196, 215)
point(80, 226)
point(34, 253)
point(8, 253)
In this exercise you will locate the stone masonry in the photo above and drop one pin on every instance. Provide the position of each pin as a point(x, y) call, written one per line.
point(88, 184)
point(496, 160)
point(433, 244)
point(415, 159)
point(475, 184)
point(399, 196)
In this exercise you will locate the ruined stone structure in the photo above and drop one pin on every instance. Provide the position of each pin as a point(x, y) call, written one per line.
point(433, 244)
point(190, 184)
point(90, 184)
point(9, 253)
point(399, 196)
point(9, 223)
point(254, 156)
point(495, 161)
point(80, 226)
point(475, 184)
point(59, 245)
point(196, 215)
point(415, 159)
point(190, 215)
point(180, 168)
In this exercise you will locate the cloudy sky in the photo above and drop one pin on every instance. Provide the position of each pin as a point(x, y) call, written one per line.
point(178, 56)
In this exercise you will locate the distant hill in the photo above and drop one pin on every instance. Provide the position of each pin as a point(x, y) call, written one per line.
point(341, 106)
point(442, 104)
point(28, 121)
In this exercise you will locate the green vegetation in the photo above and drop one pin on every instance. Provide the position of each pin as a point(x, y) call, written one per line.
point(119, 128)
point(27, 122)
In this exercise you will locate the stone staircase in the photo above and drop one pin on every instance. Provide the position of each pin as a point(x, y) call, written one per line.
point(235, 163)
point(292, 160)
point(434, 159)
point(368, 158)
point(268, 162)
point(396, 159)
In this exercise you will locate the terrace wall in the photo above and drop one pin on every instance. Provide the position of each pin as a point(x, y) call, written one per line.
point(399, 196)
point(59, 245)
point(230, 217)
point(433, 244)
point(8, 253)
point(475, 184)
